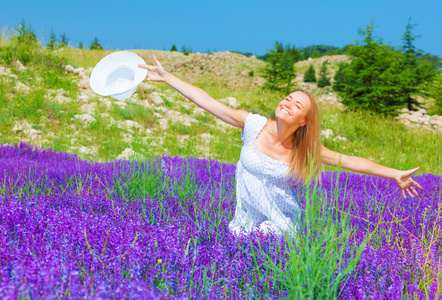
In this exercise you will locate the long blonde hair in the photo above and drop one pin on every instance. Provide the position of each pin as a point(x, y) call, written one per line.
point(306, 146)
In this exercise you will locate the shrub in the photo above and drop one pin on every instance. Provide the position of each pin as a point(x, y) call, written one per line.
point(52, 41)
point(63, 41)
point(96, 45)
point(310, 75)
point(323, 79)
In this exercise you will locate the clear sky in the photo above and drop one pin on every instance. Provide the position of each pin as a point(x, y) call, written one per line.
point(241, 25)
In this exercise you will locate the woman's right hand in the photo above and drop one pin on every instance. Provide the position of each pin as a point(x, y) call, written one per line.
point(198, 96)
point(154, 73)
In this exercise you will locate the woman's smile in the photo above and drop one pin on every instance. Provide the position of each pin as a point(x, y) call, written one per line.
point(285, 110)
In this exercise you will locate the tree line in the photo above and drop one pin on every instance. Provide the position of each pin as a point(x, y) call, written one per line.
point(64, 42)
point(379, 78)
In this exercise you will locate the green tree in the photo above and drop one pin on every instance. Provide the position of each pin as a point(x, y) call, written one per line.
point(25, 34)
point(310, 75)
point(371, 80)
point(96, 45)
point(287, 71)
point(415, 75)
point(323, 80)
point(63, 41)
point(80, 45)
point(280, 68)
point(52, 41)
point(339, 79)
point(436, 93)
point(173, 49)
point(23, 46)
point(270, 72)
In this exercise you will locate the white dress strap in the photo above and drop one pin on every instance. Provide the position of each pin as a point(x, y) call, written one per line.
point(252, 127)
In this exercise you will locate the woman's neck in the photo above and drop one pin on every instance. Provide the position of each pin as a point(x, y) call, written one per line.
point(282, 133)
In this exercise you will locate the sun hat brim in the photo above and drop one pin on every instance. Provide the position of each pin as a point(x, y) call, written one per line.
point(117, 73)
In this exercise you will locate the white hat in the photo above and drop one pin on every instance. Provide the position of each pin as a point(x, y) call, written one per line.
point(118, 75)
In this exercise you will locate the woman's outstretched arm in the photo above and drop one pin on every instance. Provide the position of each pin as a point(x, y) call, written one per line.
point(366, 166)
point(198, 96)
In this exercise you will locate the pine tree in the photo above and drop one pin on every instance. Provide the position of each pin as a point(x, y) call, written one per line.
point(339, 79)
point(25, 46)
point(323, 80)
point(436, 94)
point(52, 41)
point(371, 80)
point(173, 49)
point(25, 34)
point(415, 75)
point(280, 68)
point(63, 41)
point(310, 75)
point(286, 71)
point(80, 45)
point(271, 72)
point(96, 45)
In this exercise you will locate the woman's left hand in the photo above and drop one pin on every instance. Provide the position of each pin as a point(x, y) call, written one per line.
point(406, 183)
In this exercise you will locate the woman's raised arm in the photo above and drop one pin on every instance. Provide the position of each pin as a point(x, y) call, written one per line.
point(366, 166)
point(198, 96)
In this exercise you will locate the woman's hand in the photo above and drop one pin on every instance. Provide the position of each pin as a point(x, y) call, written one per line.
point(406, 183)
point(154, 73)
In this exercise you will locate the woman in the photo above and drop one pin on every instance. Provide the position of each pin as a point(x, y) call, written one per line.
point(273, 152)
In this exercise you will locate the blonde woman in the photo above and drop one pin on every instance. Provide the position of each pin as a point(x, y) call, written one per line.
point(274, 152)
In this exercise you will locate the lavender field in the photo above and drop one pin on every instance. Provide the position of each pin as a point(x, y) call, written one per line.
point(158, 229)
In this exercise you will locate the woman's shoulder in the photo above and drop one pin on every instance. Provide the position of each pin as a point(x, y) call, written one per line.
point(253, 125)
point(255, 119)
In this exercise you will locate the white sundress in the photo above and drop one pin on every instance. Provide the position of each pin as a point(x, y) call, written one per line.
point(264, 198)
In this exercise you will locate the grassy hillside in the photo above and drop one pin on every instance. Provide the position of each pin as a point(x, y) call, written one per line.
point(45, 103)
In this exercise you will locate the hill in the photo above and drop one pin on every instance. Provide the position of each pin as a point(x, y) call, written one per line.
point(157, 119)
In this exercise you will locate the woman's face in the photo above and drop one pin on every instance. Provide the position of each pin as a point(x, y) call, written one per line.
point(293, 109)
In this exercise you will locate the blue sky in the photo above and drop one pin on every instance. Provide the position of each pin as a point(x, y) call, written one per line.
point(247, 26)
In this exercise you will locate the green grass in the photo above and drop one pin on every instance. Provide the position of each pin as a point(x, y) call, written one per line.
point(383, 140)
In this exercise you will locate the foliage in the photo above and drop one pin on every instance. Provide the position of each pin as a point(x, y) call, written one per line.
point(26, 35)
point(339, 79)
point(96, 45)
point(323, 80)
point(436, 94)
point(310, 75)
point(270, 73)
point(280, 68)
point(287, 71)
point(173, 49)
point(315, 51)
point(434, 60)
point(80, 45)
point(64, 41)
point(381, 79)
point(371, 80)
point(21, 46)
point(246, 54)
point(52, 41)
point(414, 75)
point(186, 50)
